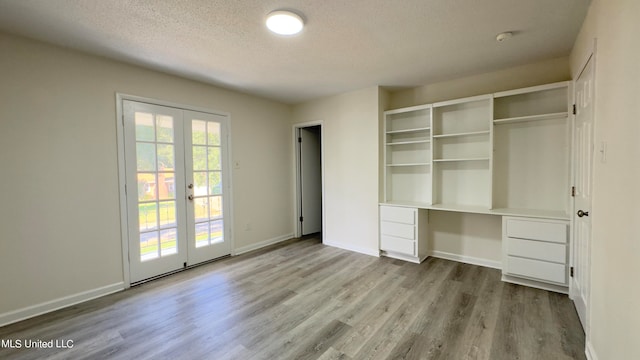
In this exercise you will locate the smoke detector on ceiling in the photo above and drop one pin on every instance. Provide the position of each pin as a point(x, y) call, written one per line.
point(504, 36)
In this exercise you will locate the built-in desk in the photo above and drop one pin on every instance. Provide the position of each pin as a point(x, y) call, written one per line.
point(535, 243)
point(530, 213)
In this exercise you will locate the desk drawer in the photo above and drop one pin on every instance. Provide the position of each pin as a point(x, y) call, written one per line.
point(537, 250)
point(537, 230)
point(536, 269)
point(398, 214)
point(398, 230)
point(399, 245)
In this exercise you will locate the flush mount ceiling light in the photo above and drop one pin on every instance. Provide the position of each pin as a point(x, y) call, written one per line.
point(284, 22)
point(504, 36)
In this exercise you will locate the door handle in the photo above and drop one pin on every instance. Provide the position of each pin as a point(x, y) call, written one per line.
point(190, 197)
point(582, 213)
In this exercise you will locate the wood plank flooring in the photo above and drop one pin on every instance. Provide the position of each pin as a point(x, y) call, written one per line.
point(304, 300)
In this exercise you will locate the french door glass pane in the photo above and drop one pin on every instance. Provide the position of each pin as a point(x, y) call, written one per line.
point(201, 209)
point(198, 132)
point(200, 183)
point(167, 212)
point(165, 128)
point(215, 207)
point(213, 133)
point(145, 129)
point(214, 158)
point(148, 216)
point(148, 245)
point(216, 231)
point(202, 234)
point(168, 242)
point(166, 185)
point(199, 158)
point(215, 183)
point(165, 157)
point(146, 186)
point(146, 156)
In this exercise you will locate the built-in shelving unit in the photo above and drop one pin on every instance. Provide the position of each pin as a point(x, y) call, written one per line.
point(505, 154)
point(532, 139)
point(408, 152)
point(462, 152)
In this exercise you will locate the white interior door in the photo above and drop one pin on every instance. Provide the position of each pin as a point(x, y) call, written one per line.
point(310, 179)
point(176, 188)
point(583, 161)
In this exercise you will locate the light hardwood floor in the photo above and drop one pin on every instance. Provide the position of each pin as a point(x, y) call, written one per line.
point(304, 300)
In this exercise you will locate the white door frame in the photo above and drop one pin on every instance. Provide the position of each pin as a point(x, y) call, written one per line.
point(122, 180)
point(589, 55)
point(297, 195)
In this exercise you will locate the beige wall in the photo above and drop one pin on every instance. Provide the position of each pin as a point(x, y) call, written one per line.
point(350, 150)
point(544, 72)
point(59, 219)
point(614, 328)
point(473, 237)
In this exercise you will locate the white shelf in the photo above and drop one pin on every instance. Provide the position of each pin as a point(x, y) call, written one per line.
point(462, 159)
point(409, 142)
point(531, 118)
point(462, 101)
point(531, 89)
point(461, 134)
point(408, 130)
point(407, 109)
point(409, 164)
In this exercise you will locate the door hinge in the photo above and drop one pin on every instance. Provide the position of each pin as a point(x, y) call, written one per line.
point(571, 271)
point(300, 218)
point(573, 191)
point(574, 109)
point(299, 139)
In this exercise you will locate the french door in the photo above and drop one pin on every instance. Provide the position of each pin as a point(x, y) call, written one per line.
point(176, 188)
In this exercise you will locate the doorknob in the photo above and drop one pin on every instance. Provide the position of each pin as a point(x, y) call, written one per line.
point(190, 197)
point(582, 213)
point(190, 186)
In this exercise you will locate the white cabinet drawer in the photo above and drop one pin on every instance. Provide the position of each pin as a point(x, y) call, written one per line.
point(535, 269)
point(398, 230)
point(398, 214)
point(399, 245)
point(537, 230)
point(537, 250)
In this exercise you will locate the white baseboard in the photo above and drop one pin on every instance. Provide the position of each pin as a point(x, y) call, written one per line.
point(53, 305)
point(589, 352)
point(535, 284)
point(262, 244)
point(358, 249)
point(467, 259)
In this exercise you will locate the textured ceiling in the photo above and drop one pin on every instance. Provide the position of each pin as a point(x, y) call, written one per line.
point(345, 45)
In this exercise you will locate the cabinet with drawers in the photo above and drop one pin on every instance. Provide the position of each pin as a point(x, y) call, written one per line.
point(535, 252)
point(403, 233)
